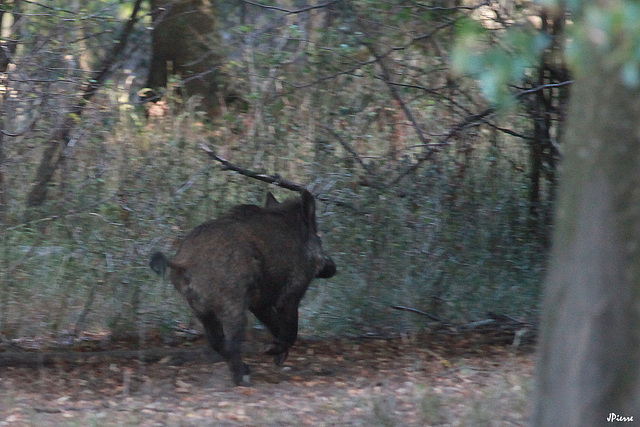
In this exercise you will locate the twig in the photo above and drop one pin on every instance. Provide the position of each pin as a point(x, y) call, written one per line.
point(415, 310)
point(292, 12)
point(469, 121)
point(386, 77)
point(349, 148)
point(543, 87)
point(477, 323)
point(504, 318)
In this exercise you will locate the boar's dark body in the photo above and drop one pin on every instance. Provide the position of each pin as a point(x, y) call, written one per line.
point(256, 258)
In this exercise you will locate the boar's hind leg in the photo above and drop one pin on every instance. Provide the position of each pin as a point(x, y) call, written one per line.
point(232, 346)
point(227, 347)
point(215, 334)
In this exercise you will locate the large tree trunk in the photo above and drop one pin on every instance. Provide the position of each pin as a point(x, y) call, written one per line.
point(589, 364)
point(187, 43)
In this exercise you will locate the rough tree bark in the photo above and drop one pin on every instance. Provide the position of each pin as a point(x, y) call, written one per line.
point(186, 42)
point(589, 365)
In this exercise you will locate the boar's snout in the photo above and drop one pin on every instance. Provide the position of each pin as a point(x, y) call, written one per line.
point(327, 268)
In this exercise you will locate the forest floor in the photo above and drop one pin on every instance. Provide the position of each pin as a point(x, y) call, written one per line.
point(443, 379)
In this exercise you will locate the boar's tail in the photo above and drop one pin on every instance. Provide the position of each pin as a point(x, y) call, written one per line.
point(159, 263)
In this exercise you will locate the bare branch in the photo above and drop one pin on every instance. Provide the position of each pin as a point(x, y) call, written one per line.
point(44, 6)
point(543, 87)
point(292, 12)
point(271, 179)
point(349, 149)
point(386, 77)
point(470, 121)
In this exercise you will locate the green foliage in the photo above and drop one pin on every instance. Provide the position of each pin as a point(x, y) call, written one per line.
point(614, 29)
point(496, 66)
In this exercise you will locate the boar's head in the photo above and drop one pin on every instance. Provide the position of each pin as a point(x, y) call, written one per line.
point(324, 265)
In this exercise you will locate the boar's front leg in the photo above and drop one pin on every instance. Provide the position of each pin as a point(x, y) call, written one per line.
point(270, 318)
point(282, 322)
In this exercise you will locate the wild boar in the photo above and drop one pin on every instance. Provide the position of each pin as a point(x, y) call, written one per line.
point(252, 257)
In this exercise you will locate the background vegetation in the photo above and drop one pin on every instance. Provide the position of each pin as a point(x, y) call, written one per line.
point(431, 198)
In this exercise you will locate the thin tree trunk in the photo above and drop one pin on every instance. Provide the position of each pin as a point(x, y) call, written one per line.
point(54, 152)
point(9, 46)
point(7, 50)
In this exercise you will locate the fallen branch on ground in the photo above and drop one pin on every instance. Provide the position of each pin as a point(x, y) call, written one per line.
point(170, 356)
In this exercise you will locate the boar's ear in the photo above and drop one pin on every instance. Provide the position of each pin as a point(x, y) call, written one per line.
point(309, 209)
point(271, 201)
